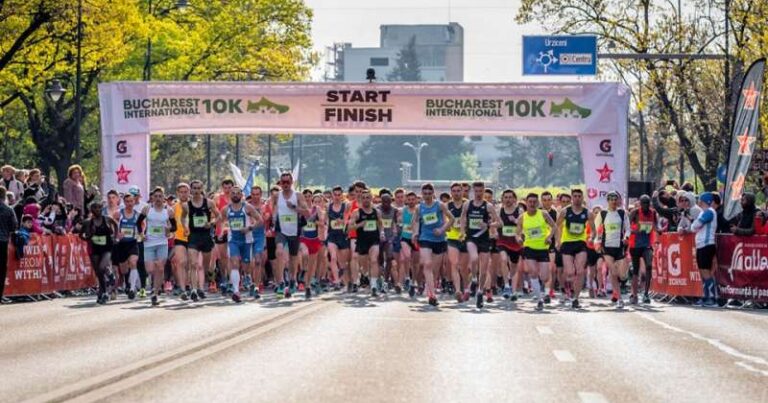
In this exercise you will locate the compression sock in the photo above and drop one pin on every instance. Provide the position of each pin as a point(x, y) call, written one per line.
point(234, 278)
point(133, 279)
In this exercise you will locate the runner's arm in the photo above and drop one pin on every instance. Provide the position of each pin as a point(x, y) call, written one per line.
point(214, 212)
point(496, 221)
point(415, 225)
point(173, 226)
point(448, 217)
point(301, 207)
point(463, 219)
point(558, 226)
point(184, 219)
point(520, 233)
point(255, 216)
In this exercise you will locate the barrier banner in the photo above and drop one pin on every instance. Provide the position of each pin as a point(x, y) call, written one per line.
point(675, 272)
point(50, 263)
point(32, 273)
point(71, 264)
point(743, 267)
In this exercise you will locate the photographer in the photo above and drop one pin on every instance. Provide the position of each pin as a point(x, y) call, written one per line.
point(665, 206)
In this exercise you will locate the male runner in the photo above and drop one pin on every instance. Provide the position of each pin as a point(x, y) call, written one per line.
point(288, 207)
point(259, 240)
point(390, 245)
point(643, 223)
point(197, 217)
point(477, 218)
point(431, 221)
point(338, 243)
point(311, 243)
point(179, 253)
point(705, 227)
point(241, 219)
point(508, 244)
point(367, 222)
point(409, 247)
point(127, 248)
point(613, 231)
point(160, 224)
point(555, 259)
point(99, 230)
point(496, 270)
point(535, 229)
point(458, 261)
point(571, 237)
point(220, 237)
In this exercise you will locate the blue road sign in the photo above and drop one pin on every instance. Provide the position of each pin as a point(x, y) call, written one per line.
point(560, 55)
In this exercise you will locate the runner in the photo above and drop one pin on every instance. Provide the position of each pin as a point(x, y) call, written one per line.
point(367, 222)
point(495, 269)
point(160, 224)
point(390, 245)
point(99, 230)
point(508, 244)
point(571, 237)
point(613, 231)
point(705, 227)
point(259, 239)
point(311, 243)
point(222, 199)
point(429, 224)
point(288, 207)
point(276, 265)
point(532, 229)
point(181, 268)
point(113, 204)
point(127, 249)
point(241, 219)
point(338, 243)
point(477, 218)
point(409, 247)
point(197, 217)
point(555, 259)
point(643, 223)
point(399, 198)
point(595, 278)
point(458, 261)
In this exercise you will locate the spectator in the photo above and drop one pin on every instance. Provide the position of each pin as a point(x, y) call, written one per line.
point(665, 206)
point(8, 225)
point(762, 196)
point(31, 208)
point(21, 175)
point(689, 211)
point(10, 183)
point(35, 186)
point(74, 187)
point(23, 234)
point(723, 226)
point(687, 187)
point(745, 221)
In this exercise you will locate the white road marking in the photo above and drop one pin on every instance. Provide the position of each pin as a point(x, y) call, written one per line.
point(564, 356)
point(717, 344)
point(592, 397)
point(544, 330)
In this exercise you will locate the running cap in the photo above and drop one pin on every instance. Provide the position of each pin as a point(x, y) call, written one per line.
point(134, 190)
point(707, 198)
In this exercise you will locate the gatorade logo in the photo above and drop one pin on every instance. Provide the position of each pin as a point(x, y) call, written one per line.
point(122, 149)
point(605, 146)
point(673, 259)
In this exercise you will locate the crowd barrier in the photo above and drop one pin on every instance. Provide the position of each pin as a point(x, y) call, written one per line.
point(742, 267)
point(51, 263)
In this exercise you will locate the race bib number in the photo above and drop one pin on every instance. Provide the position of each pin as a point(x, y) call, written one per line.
point(128, 232)
point(646, 227)
point(370, 225)
point(237, 224)
point(576, 228)
point(534, 233)
point(386, 222)
point(156, 231)
point(456, 223)
point(337, 225)
point(430, 218)
point(199, 221)
point(289, 219)
point(99, 240)
point(311, 226)
point(407, 228)
point(611, 228)
point(509, 230)
point(474, 223)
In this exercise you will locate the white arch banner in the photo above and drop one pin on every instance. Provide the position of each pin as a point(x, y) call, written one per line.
point(595, 112)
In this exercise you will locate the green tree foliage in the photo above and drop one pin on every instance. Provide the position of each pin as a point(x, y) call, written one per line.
point(408, 66)
point(526, 163)
point(232, 40)
point(324, 161)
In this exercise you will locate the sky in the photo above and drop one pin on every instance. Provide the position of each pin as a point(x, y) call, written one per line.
point(493, 40)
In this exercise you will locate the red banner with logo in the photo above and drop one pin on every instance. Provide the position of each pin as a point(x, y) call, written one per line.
point(675, 272)
point(743, 267)
point(50, 263)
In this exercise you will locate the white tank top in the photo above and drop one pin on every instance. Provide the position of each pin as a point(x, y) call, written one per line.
point(157, 221)
point(289, 219)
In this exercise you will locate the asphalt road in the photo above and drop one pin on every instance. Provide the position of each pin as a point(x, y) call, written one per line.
point(340, 348)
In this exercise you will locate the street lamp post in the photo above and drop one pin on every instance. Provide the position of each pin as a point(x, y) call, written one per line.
point(180, 5)
point(417, 150)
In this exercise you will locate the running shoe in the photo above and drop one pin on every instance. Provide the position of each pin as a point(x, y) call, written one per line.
point(236, 297)
point(699, 302)
point(155, 302)
point(349, 288)
point(433, 301)
point(287, 292)
point(212, 288)
point(459, 297)
point(355, 288)
point(466, 295)
point(113, 295)
point(100, 299)
point(620, 304)
point(710, 303)
point(488, 296)
point(256, 295)
point(633, 299)
point(411, 292)
point(301, 287)
point(614, 299)
point(507, 292)
point(601, 294)
point(421, 290)
point(479, 300)
point(184, 296)
point(308, 293)
point(407, 284)
point(575, 304)
point(540, 305)
point(293, 287)
point(646, 299)
point(131, 294)
point(514, 297)
point(279, 288)
point(547, 299)
point(200, 293)
point(473, 288)
point(224, 287)
point(374, 292)
point(398, 290)
point(142, 293)
point(193, 296)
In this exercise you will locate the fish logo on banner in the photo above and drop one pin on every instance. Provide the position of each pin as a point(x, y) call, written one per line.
point(745, 127)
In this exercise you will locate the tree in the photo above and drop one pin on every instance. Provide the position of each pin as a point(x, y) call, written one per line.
point(690, 95)
point(526, 163)
point(324, 161)
point(408, 67)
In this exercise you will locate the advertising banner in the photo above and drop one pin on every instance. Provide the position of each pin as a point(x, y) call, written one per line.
point(675, 272)
point(742, 267)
